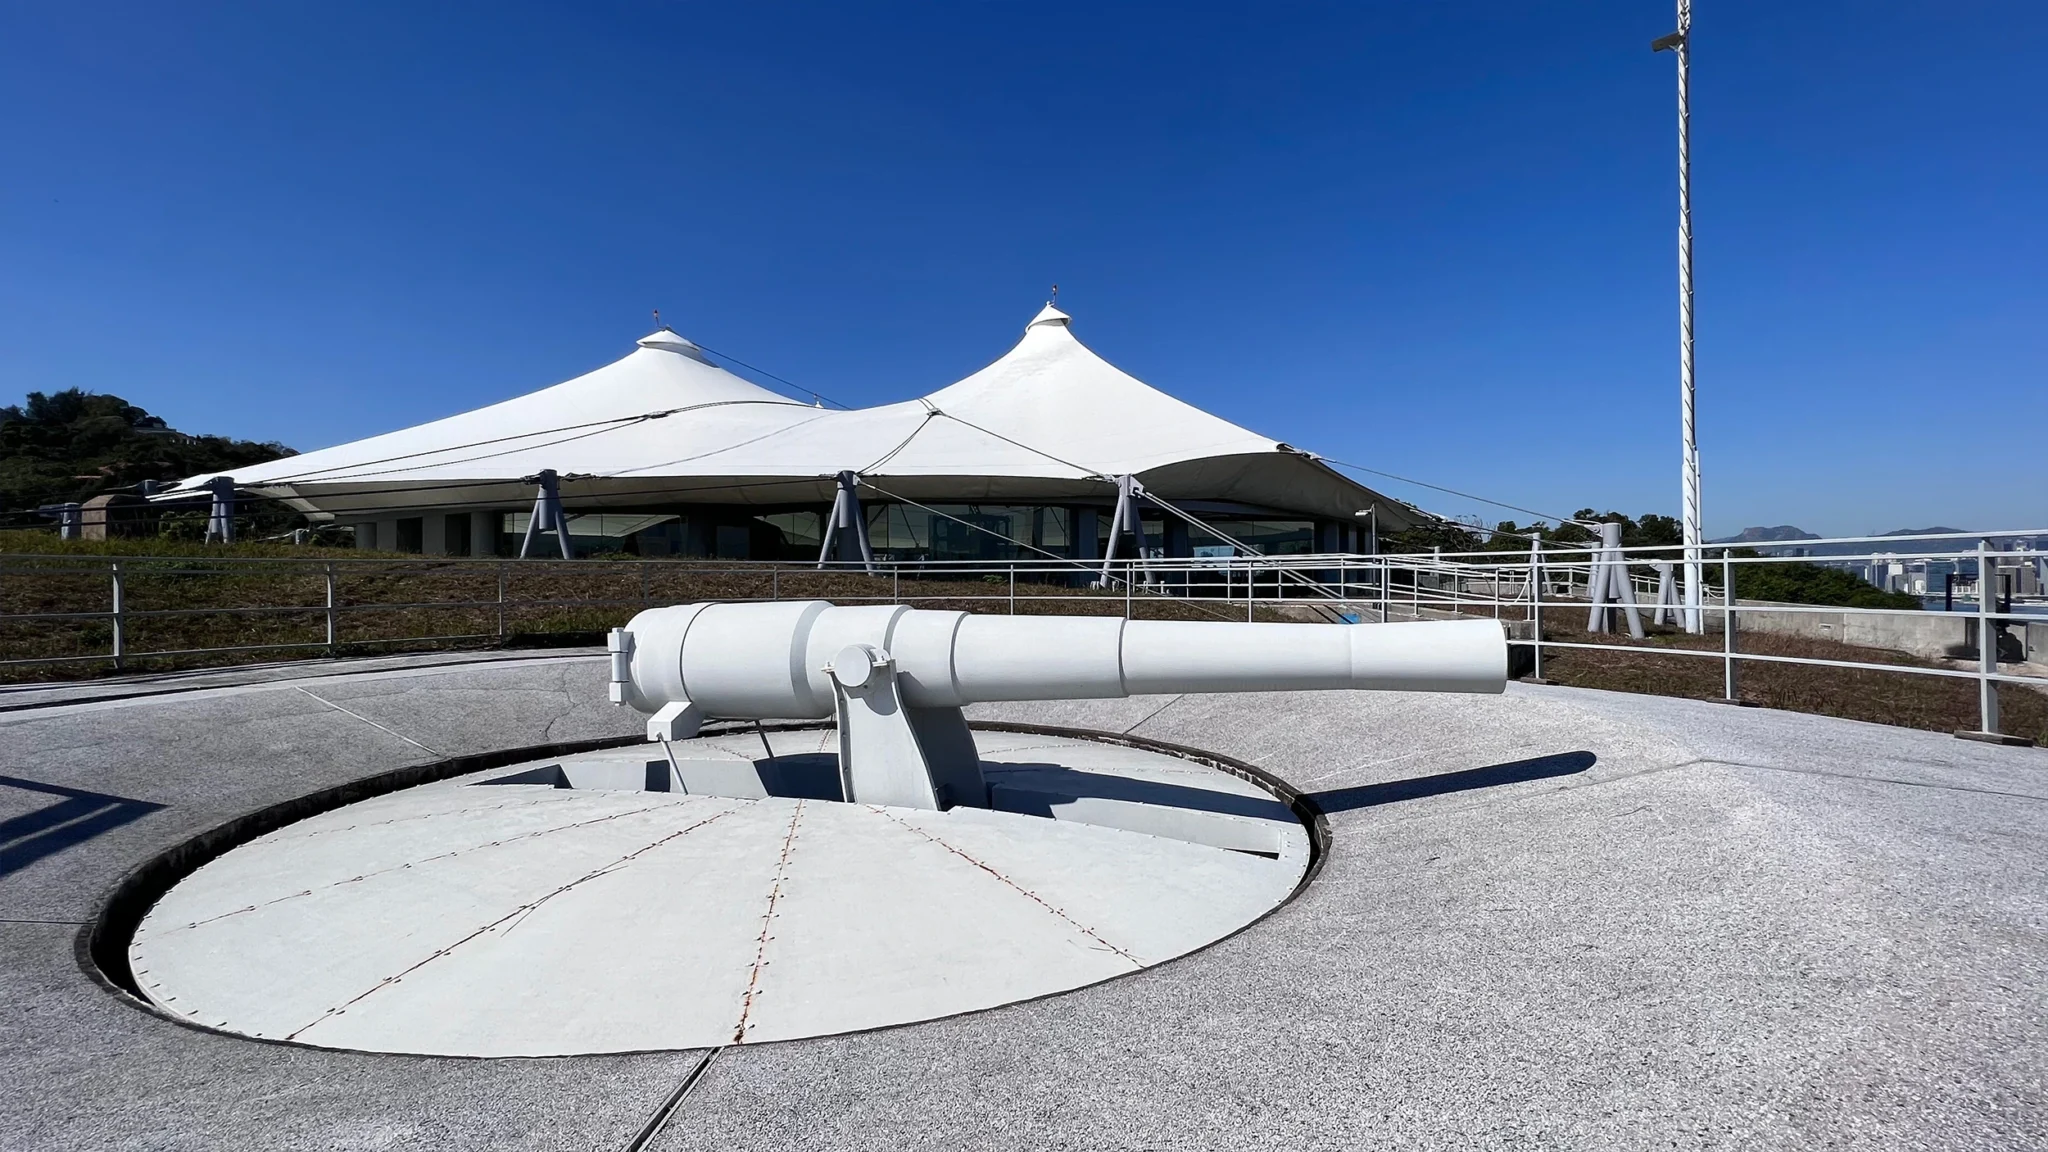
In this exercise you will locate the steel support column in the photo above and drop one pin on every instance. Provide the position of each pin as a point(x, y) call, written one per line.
point(547, 514)
point(846, 525)
point(220, 522)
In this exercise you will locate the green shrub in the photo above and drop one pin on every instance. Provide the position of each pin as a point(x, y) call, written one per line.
point(1796, 583)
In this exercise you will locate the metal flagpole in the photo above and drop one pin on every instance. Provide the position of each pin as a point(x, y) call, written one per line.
point(1680, 43)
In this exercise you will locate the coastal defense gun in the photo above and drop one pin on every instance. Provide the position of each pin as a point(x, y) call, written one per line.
point(896, 678)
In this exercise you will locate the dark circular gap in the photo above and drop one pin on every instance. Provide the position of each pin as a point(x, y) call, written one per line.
point(101, 946)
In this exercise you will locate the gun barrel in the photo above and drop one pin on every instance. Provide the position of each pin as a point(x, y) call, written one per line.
point(770, 660)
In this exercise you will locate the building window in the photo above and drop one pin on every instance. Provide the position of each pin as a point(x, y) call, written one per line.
point(802, 533)
point(456, 534)
point(412, 532)
point(1051, 531)
point(602, 533)
point(1152, 531)
point(984, 532)
point(1274, 537)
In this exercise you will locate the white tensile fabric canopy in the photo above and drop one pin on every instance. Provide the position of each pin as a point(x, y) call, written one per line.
point(1050, 420)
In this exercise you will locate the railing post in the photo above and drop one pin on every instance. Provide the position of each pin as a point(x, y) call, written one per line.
point(775, 583)
point(895, 582)
point(332, 622)
point(120, 637)
point(1128, 573)
point(1728, 690)
point(1013, 588)
point(501, 600)
point(1536, 606)
point(1987, 640)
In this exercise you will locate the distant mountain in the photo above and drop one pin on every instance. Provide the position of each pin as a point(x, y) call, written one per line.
point(1787, 538)
point(1769, 535)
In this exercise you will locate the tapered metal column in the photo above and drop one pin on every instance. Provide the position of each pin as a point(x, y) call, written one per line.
point(846, 526)
point(1125, 520)
point(220, 522)
point(547, 514)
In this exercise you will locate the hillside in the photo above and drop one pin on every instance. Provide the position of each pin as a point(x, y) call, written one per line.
point(1767, 535)
point(1788, 538)
point(74, 445)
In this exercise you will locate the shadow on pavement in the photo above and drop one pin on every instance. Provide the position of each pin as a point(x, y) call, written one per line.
point(1395, 791)
point(78, 817)
point(1032, 788)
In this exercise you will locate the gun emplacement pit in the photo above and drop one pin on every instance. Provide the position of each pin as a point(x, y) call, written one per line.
point(628, 900)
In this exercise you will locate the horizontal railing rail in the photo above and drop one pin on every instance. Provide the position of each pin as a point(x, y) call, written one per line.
point(66, 603)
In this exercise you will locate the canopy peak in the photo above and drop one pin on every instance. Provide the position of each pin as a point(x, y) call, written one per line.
point(1049, 314)
point(667, 339)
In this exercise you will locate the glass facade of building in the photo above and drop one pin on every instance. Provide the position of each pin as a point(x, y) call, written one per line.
point(967, 532)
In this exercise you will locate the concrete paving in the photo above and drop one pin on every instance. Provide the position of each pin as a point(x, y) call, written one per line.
point(1556, 918)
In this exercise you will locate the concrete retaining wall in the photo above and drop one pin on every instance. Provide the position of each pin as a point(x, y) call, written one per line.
point(1932, 637)
point(1927, 636)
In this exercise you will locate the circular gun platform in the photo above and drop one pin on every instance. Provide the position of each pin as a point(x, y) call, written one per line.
point(629, 900)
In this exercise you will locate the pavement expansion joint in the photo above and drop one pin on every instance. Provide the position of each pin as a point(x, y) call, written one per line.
point(670, 1106)
point(367, 720)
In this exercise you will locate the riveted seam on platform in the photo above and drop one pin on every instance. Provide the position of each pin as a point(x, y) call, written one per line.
point(739, 1032)
point(513, 915)
point(450, 854)
point(1028, 894)
point(286, 833)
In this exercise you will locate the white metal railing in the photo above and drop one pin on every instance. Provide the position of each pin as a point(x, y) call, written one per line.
point(1528, 586)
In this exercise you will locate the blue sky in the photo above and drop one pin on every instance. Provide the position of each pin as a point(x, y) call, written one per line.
point(1436, 239)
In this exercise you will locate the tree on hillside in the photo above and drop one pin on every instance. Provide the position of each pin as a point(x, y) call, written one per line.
point(1801, 583)
point(1649, 531)
point(1447, 535)
point(74, 445)
point(1786, 583)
